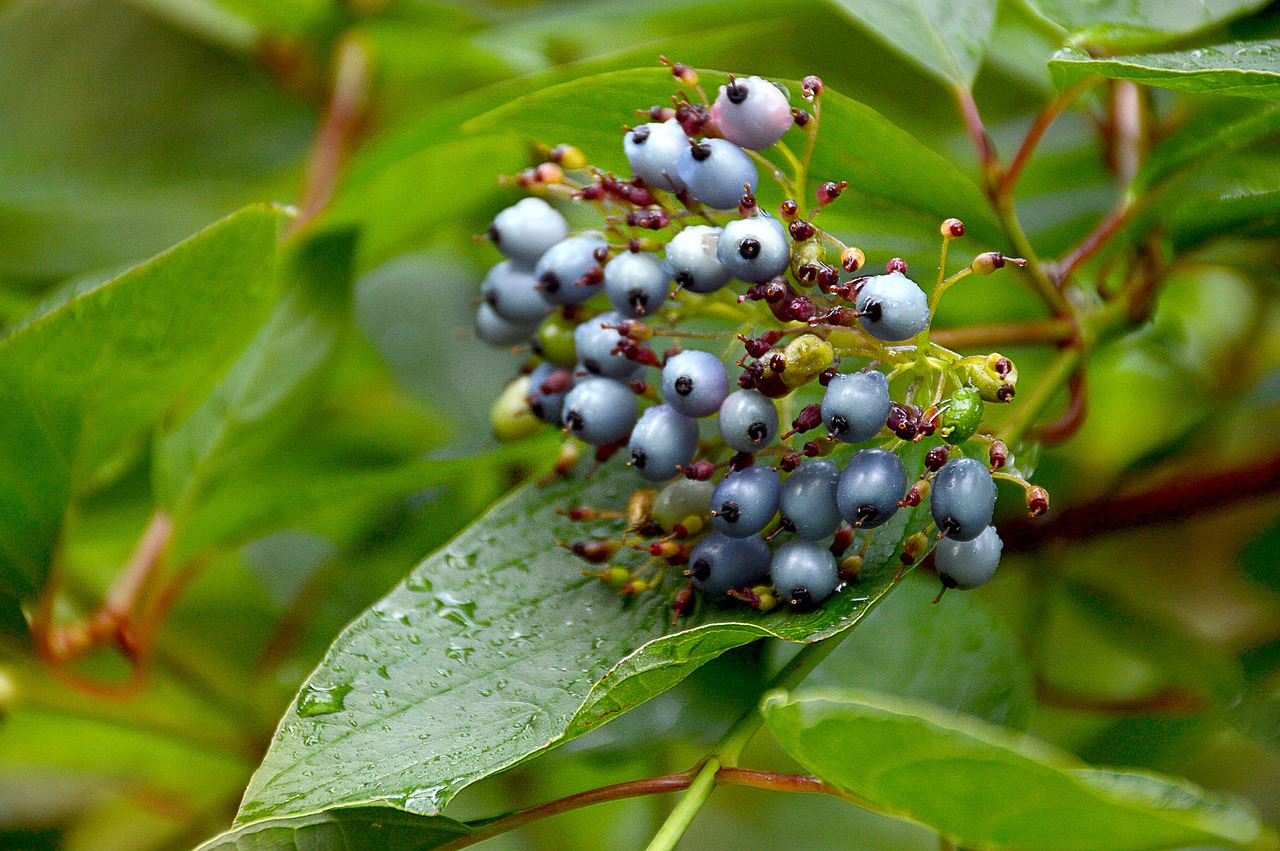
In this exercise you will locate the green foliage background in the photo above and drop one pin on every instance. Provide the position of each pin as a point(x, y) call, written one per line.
point(307, 414)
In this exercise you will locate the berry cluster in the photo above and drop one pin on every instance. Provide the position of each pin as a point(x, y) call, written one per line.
point(804, 325)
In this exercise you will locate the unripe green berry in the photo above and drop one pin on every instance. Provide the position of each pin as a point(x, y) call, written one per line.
point(555, 341)
point(804, 252)
point(994, 375)
point(511, 416)
point(805, 357)
point(961, 415)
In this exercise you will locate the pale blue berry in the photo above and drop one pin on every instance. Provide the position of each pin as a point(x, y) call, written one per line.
point(963, 498)
point(804, 573)
point(663, 440)
point(752, 112)
point(717, 172)
point(719, 564)
point(695, 383)
point(892, 307)
point(653, 151)
point(808, 503)
point(525, 230)
point(754, 250)
point(856, 405)
point(569, 272)
point(692, 260)
point(968, 564)
point(600, 411)
point(512, 291)
point(744, 502)
point(870, 487)
point(636, 284)
point(595, 343)
point(748, 420)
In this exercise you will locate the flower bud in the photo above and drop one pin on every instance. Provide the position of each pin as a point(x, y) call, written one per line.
point(806, 356)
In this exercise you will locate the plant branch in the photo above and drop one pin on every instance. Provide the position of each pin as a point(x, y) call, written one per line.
point(1052, 331)
point(344, 118)
point(1176, 497)
point(1072, 417)
point(1169, 700)
point(1067, 362)
point(988, 160)
point(733, 742)
point(616, 792)
point(1009, 180)
point(1091, 244)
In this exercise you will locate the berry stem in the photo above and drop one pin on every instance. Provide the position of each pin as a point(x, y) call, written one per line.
point(734, 741)
point(1057, 373)
point(800, 170)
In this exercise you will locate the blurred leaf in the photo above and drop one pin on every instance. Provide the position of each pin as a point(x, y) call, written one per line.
point(376, 828)
point(123, 137)
point(82, 383)
point(978, 785)
point(1260, 558)
point(305, 428)
point(946, 37)
point(1226, 126)
point(953, 654)
point(497, 648)
point(1234, 197)
point(1134, 23)
point(1248, 69)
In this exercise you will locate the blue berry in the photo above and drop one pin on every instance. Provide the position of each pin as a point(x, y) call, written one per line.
point(636, 284)
point(870, 487)
point(754, 250)
point(653, 151)
point(692, 260)
point(569, 272)
point(496, 331)
point(753, 113)
point(513, 294)
point(856, 405)
point(804, 573)
point(968, 564)
point(600, 411)
point(808, 503)
point(963, 498)
point(548, 406)
point(525, 230)
point(719, 564)
point(748, 420)
point(663, 440)
point(680, 500)
point(892, 307)
point(744, 502)
point(594, 344)
point(715, 172)
point(695, 383)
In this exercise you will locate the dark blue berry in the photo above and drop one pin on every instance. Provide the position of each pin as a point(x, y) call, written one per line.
point(719, 564)
point(600, 411)
point(744, 502)
point(804, 573)
point(808, 502)
point(695, 383)
point(870, 487)
point(661, 441)
point(892, 307)
point(968, 564)
point(963, 498)
point(856, 405)
point(748, 420)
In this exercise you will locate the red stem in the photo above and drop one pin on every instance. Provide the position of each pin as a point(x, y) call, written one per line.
point(341, 124)
point(1101, 235)
point(1051, 111)
point(1036, 332)
point(1072, 418)
point(1169, 700)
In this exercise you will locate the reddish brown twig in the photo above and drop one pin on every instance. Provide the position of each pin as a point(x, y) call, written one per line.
point(1051, 331)
point(1169, 700)
point(1175, 498)
point(1009, 180)
point(1072, 418)
point(1100, 236)
point(343, 120)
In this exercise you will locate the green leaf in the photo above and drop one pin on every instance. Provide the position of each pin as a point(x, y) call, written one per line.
point(498, 648)
point(1245, 68)
point(953, 654)
point(82, 384)
point(1119, 23)
point(305, 428)
point(395, 195)
point(981, 786)
point(948, 39)
point(376, 828)
point(123, 137)
point(1225, 126)
point(1236, 197)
